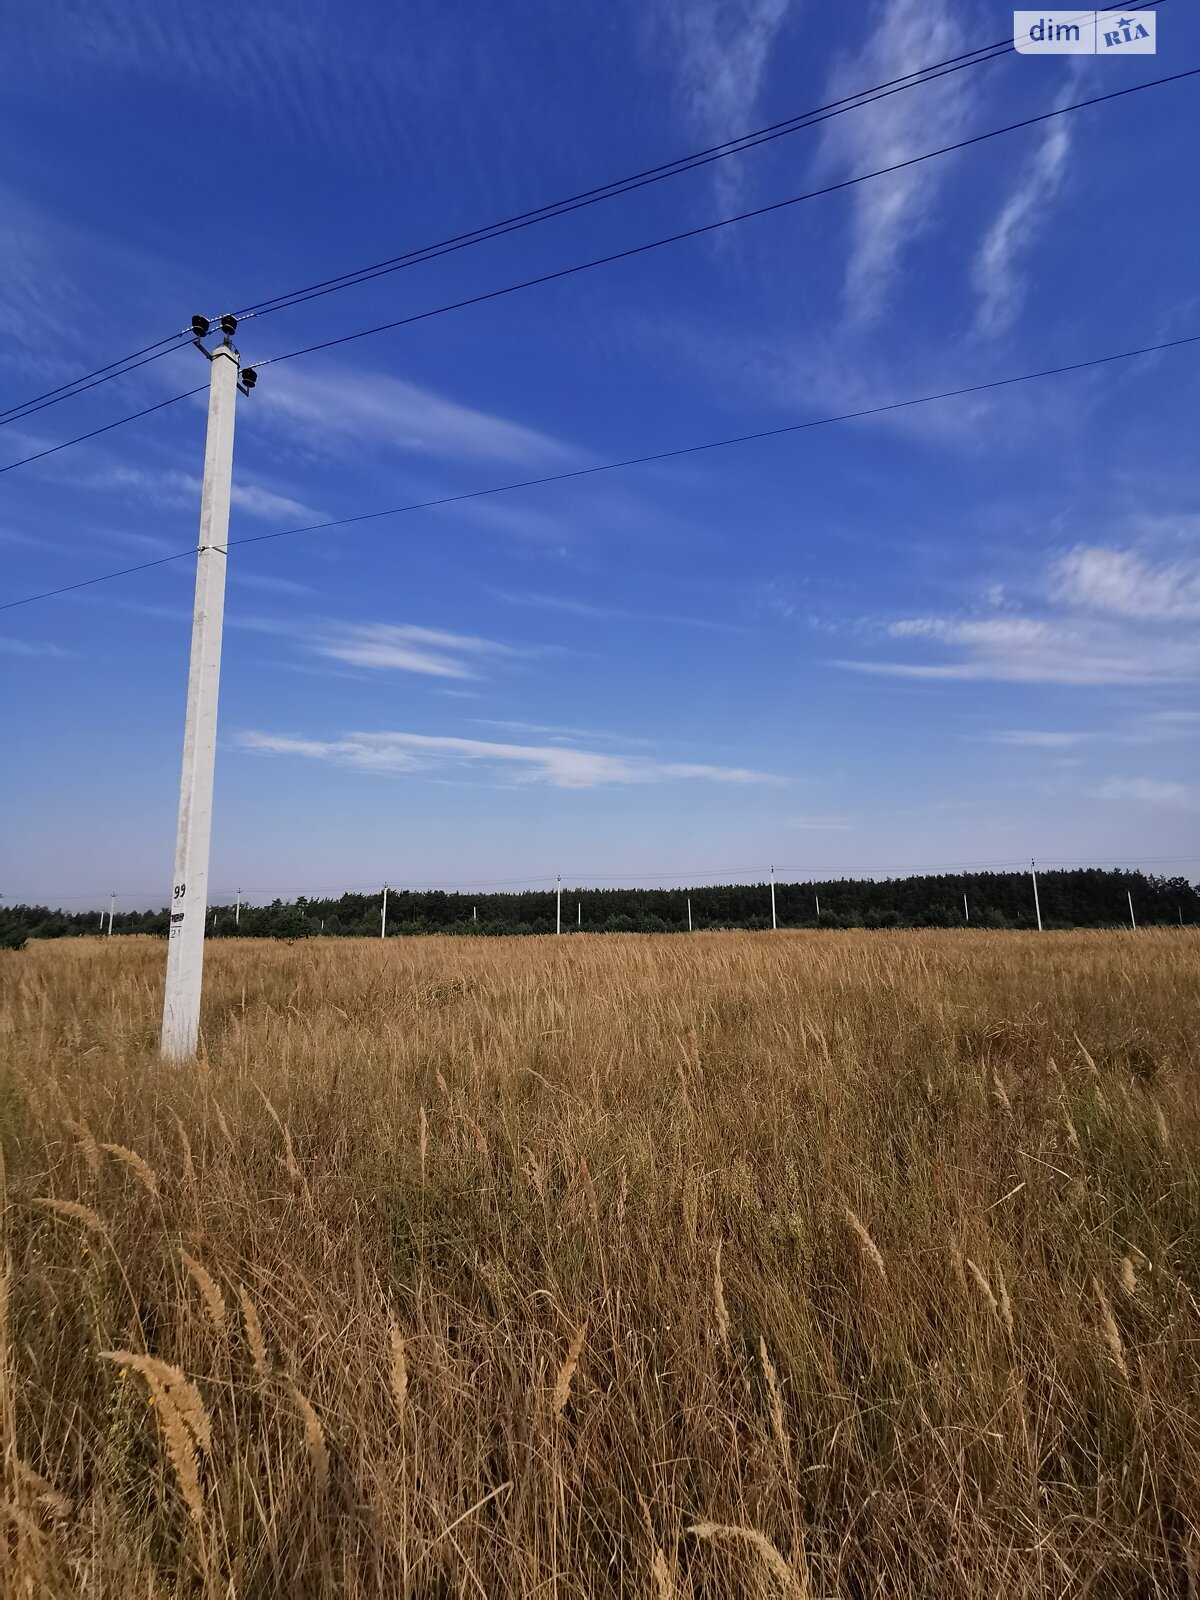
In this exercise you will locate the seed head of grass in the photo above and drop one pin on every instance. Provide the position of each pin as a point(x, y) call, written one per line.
point(74, 1211)
point(867, 1245)
point(141, 1170)
point(776, 1565)
point(562, 1384)
point(210, 1291)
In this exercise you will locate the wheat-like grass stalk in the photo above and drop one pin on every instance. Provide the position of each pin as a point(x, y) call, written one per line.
point(259, 1353)
point(775, 1563)
point(142, 1170)
point(185, 1144)
point(562, 1385)
point(210, 1290)
point(1112, 1334)
point(182, 1419)
point(984, 1287)
point(73, 1211)
point(397, 1369)
point(45, 1494)
point(185, 1396)
point(778, 1427)
point(222, 1124)
point(85, 1139)
point(721, 1309)
point(866, 1244)
point(314, 1438)
point(1160, 1122)
point(589, 1188)
point(664, 1587)
point(1006, 1310)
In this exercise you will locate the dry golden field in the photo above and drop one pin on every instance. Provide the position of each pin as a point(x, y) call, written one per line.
point(735, 1265)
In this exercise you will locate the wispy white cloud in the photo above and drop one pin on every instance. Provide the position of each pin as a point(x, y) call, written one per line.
point(401, 647)
point(890, 214)
point(1124, 584)
point(338, 408)
point(1146, 791)
point(603, 613)
point(1038, 738)
point(1106, 616)
point(557, 732)
point(173, 488)
point(560, 767)
point(720, 51)
point(30, 647)
point(996, 272)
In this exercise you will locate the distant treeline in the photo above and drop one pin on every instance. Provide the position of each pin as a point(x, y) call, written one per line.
point(1085, 898)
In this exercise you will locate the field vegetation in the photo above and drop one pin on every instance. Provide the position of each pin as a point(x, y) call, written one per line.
point(806, 1265)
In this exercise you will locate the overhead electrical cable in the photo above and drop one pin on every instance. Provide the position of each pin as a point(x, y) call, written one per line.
point(639, 249)
point(641, 460)
point(737, 145)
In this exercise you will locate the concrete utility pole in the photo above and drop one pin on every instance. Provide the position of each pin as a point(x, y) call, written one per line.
point(817, 898)
point(237, 911)
point(383, 915)
point(1037, 905)
point(774, 922)
point(558, 883)
point(112, 906)
point(1132, 918)
point(966, 910)
point(579, 913)
point(189, 892)
point(689, 913)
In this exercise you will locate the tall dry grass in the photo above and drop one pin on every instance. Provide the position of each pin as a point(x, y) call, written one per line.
point(739, 1265)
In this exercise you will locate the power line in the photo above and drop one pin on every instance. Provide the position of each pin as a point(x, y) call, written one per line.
point(646, 460)
point(484, 232)
point(725, 222)
point(551, 209)
point(498, 230)
point(633, 250)
point(689, 163)
point(79, 438)
point(39, 401)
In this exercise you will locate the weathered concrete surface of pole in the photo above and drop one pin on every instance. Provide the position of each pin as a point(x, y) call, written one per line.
point(189, 892)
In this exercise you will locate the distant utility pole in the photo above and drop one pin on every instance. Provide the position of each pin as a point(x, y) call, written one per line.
point(689, 913)
point(189, 891)
point(817, 898)
point(966, 910)
point(558, 882)
point(112, 906)
point(774, 920)
point(1132, 918)
point(579, 913)
point(383, 915)
point(474, 913)
point(237, 911)
point(102, 922)
point(1037, 905)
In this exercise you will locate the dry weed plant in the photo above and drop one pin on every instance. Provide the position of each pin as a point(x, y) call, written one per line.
point(736, 1266)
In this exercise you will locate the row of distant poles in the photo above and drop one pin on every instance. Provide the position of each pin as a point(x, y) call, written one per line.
point(1037, 906)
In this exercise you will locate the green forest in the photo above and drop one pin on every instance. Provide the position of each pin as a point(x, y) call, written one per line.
point(1083, 898)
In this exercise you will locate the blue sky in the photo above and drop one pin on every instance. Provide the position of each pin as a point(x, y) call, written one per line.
point(964, 633)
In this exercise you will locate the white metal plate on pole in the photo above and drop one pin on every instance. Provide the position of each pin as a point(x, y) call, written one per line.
point(189, 892)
